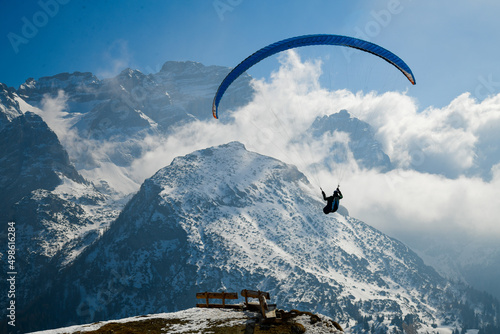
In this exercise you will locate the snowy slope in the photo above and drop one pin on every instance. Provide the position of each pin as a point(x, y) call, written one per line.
point(9, 107)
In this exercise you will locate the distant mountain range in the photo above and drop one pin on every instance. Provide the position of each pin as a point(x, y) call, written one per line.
point(93, 243)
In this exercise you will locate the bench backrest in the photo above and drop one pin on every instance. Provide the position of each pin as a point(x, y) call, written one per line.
point(254, 294)
point(217, 295)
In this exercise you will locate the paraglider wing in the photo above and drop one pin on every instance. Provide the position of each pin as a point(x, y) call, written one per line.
point(307, 40)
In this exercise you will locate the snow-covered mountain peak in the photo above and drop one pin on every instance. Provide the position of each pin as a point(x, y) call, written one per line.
point(9, 105)
point(75, 78)
point(365, 148)
point(131, 73)
point(132, 79)
point(182, 68)
point(34, 152)
point(241, 176)
point(5, 91)
point(187, 80)
point(185, 73)
point(77, 81)
point(343, 114)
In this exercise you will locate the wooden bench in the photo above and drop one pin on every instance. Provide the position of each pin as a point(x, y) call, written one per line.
point(268, 310)
point(217, 295)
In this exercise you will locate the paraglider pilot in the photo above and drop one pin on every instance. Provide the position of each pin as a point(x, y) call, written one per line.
point(332, 202)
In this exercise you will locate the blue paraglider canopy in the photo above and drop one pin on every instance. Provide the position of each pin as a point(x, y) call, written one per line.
point(308, 40)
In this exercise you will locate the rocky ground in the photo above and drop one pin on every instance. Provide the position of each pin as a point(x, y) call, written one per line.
point(202, 320)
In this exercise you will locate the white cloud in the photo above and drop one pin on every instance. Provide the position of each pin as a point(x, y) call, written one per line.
point(90, 156)
point(54, 112)
point(115, 58)
point(407, 203)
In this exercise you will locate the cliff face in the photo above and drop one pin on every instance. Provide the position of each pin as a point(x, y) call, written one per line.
point(56, 212)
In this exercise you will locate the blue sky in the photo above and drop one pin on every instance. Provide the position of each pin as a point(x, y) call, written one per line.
point(451, 46)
